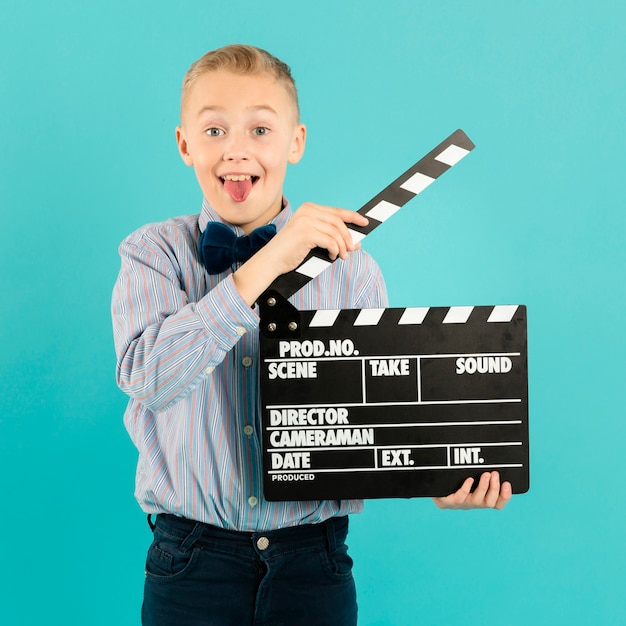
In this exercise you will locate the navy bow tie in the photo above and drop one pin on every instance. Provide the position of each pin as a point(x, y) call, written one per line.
point(220, 248)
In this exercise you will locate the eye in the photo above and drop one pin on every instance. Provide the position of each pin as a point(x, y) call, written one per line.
point(261, 130)
point(214, 132)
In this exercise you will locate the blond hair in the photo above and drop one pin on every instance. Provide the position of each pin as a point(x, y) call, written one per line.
point(241, 59)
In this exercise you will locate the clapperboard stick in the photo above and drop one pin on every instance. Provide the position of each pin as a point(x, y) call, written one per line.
point(381, 207)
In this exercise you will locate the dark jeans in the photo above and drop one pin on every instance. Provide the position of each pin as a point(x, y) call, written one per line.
point(200, 575)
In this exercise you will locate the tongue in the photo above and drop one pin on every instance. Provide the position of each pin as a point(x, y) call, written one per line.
point(238, 189)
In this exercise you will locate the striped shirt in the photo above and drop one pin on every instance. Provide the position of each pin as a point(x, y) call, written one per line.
point(187, 350)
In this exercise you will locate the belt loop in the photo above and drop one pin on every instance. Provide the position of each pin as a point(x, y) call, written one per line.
point(330, 534)
point(192, 537)
point(150, 522)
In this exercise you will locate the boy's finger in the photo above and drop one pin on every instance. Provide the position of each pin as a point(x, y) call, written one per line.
point(459, 498)
point(335, 238)
point(356, 218)
point(481, 489)
point(347, 234)
point(343, 235)
point(506, 491)
point(333, 222)
point(349, 216)
point(334, 249)
point(493, 493)
point(456, 499)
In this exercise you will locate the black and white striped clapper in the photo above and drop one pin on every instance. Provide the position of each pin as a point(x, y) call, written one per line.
point(382, 206)
point(396, 402)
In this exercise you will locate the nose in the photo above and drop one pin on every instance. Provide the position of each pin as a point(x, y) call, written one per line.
point(235, 148)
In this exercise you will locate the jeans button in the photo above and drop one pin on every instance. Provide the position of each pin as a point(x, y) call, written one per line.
point(262, 543)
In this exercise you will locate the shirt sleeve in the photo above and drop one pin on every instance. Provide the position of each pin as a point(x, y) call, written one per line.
point(369, 291)
point(166, 344)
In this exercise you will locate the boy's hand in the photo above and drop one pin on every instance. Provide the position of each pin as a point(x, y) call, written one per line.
point(489, 494)
point(311, 226)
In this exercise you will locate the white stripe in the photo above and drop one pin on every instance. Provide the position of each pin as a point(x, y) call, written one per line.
point(383, 210)
point(452, 155)
point(423, 403)
point(410, 425)
point(356, 236)
point(369, 317)
point(418, 182)
point(458, 314)
point(414, 315)
point(503, 313)
point(386, 469)
point(324, 318)
point(313, 267)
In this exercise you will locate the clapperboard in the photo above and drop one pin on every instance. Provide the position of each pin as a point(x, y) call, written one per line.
point(396, 402)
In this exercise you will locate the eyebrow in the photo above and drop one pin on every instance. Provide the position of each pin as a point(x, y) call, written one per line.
point(257, 107)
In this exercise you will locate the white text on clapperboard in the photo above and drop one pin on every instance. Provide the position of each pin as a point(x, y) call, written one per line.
point(296, 431)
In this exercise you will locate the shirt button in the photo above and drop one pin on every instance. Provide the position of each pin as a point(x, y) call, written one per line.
point(246, 361)
point(262, 543)
point(241, 331)
point(253, 500)
point(248, 430)
point(209, 370)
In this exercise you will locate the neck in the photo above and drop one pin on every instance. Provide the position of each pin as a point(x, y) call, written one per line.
point(263, 219)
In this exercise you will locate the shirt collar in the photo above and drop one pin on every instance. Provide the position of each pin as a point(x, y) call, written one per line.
point(208, 214)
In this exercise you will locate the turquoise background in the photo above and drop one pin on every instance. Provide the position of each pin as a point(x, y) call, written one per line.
point(535, 215)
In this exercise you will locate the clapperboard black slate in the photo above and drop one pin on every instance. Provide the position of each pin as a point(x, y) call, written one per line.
point(395, 402)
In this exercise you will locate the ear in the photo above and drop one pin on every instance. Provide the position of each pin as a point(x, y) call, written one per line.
point(298, 143)
point(183, 147)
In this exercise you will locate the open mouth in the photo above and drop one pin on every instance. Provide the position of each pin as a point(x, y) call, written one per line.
point(238, 186)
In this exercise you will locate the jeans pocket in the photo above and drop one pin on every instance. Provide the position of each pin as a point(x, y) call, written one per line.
point(337, 564)
point(166, 559)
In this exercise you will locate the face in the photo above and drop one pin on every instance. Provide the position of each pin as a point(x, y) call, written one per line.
point(239, 132)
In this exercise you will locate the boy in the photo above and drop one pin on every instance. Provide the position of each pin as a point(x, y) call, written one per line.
point(186, 338)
